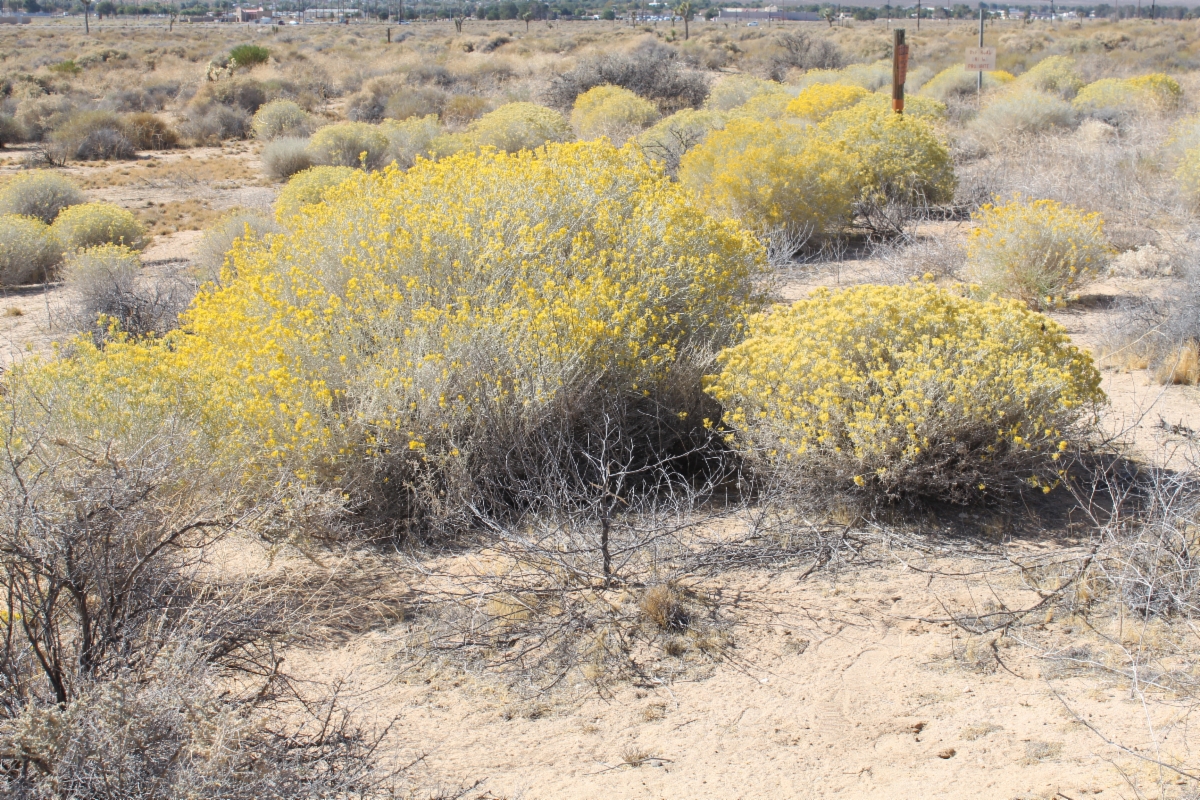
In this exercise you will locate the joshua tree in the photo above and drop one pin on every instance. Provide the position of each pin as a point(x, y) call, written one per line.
point(684, 10)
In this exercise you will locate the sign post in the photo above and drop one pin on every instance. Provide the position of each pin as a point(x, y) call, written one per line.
point(981, 59)
point(899, 69)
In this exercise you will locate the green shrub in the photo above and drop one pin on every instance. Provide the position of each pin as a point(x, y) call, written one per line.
point(92, 224)
point(308, 187)
point(905, 391)
point(29, 252)
point(1036, 251)
point(248, 55)
point(349, 144)
point(280, 118)
point(284, 157)
point(613, 112)
point(39, 193)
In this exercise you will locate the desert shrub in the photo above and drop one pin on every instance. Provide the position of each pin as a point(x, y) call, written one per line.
point(768, 173)
point(668, 141)
point(1037, 251)
point(91, 136)
point(308, 187)
point(420, 101)
point(106, 285)
point(212, 123)
point(38, 116)
point(284, 157)
point(1053, 75)
point(915, 105)
point(653, 73)
point(796, 50)
point(1117, 99)
point(461, 109)
point(10, 130)
point(1159, 333)
point(148, 132)
point(611, 111)
point(247, 95)
point(765, 105)
point(510, 128)
point(280, 118)
point(91, 224)
point(871, 77)
point(1023, 111)
point(211, 251)
point(28, 250)
point(736, 90)
point(905, 391)
point(410, 139)
point(492, 275)
point(820, 100)
point(244, 56)
point(39, 193)
point(902, 156)
point(956, 81)
point(349, 144)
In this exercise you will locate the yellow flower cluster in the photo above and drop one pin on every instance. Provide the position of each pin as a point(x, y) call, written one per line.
point(91, 224)
point(308, 187)
point(1114, 97)
point(413, 315)
point(1054, 75)
point(905, 390)
point(511, 128)
point(611, 111)
point(769, 172)
point(822, 99)
point(1038, 251)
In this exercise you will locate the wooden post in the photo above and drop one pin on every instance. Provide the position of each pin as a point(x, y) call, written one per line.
point(389, 35)
point(899, 69)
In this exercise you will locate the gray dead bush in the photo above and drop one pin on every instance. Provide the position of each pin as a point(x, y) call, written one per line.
point(212, 123)
point(108, 285)
point(653, 71)
point(284, 157)
point(93, 136)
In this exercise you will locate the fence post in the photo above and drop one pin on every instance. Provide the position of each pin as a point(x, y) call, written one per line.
point(899, 69)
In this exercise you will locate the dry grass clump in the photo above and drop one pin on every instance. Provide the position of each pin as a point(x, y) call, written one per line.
point(93, 136)
point(29, 252)
point(903, 392)
point(1038, 251)
point(91, 224)
point(39, 193)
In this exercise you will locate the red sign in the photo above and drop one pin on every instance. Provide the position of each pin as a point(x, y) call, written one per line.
point(902, 61)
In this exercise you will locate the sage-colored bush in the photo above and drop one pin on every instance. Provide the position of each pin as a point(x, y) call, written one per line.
point(39, 193)
point(91, 224)
point(29, 252)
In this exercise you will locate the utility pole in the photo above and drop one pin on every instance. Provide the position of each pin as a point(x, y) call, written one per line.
point(979, 79)
point(918, 15)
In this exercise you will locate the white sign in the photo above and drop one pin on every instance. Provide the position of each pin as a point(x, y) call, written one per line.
point(981, 59)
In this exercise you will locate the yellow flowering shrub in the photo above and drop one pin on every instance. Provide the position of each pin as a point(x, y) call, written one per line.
point(420, 336)
point(1113, 99)
point(39, 193)
point(611, 111)
point(736, 90)
point(28, 250)
point(1053, 75)
point(915, 105)
point(672, 137)
point(90, 224)
point(822, 99)
point(1037, 251)
point(307, 187)
point(767, 105)
point(349, 144)
point(769, 173)
point(511, 128)
point(871, 77)
point(902, 156)
point(410, 139)
point(905, 391)
point(957, 81)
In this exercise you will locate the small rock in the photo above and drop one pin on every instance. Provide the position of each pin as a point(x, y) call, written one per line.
point(947, 753)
